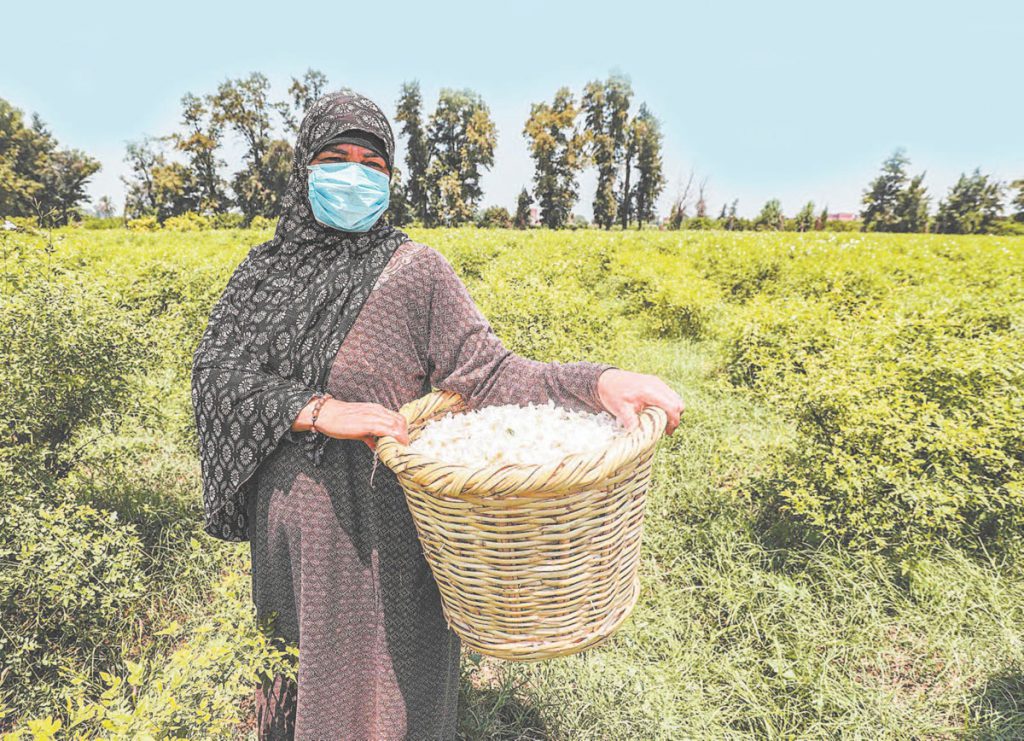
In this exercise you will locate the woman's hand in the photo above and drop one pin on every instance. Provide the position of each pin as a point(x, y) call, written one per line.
point(624, 394)
point(347, 420)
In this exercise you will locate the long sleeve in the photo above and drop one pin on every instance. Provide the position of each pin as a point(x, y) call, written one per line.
point(466, 356)
point(242, 409)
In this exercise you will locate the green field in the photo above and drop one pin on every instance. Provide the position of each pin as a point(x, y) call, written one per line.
point(832, 544)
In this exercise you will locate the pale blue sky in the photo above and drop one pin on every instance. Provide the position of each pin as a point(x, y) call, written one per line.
point(794, 100)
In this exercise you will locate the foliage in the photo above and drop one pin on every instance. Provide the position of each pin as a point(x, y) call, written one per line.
point(605, 107)
point(461, 137)
point(557, 147)
point(771, 216)
point(37, 178)
point(830, 529)
point(804, 219)
point(523, 204)
point(72, 576)
point(901, 372)
point(972, 206)
point(650, 178)
point(67, 356)
point(891, 203)
point(417, 148)
point(494, 217)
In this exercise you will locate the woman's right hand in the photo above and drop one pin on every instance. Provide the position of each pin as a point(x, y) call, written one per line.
point(352, 420)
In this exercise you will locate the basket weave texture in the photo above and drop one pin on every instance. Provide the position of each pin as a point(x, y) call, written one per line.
point(532, 561)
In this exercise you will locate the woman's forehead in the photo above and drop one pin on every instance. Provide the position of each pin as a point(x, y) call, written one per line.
point(349, 148)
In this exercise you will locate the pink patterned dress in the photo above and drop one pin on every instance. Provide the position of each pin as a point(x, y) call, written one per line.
point(338, 561)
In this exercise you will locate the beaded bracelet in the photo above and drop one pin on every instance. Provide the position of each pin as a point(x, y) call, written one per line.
point(316, 410)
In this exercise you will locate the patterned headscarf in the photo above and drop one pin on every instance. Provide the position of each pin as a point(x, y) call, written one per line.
point(276, 329)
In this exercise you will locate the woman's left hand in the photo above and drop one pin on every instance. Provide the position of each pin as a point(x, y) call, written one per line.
point(624, 394)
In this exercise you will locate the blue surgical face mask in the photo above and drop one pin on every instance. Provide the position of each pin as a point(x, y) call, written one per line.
point(348, 195)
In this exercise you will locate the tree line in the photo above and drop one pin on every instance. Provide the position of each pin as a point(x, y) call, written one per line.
point(447, 151)
point(894, 201)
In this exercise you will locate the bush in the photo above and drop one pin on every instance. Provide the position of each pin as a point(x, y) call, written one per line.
point(67, 355)
point(71, 577)
point(903, 384)
point(187, 222)
point(143, 224)
point(546, 322)
point(262, 222)
point(665, 293)
point(227, 220)
point(95, 222)
point(495, 217)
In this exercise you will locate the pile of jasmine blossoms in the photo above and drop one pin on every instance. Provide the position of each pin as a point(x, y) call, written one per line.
point(509, 433)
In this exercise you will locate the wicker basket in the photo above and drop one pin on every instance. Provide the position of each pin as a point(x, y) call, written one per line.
point(532, 561)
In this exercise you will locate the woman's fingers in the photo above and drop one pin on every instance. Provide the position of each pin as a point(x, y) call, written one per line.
point(392, 425)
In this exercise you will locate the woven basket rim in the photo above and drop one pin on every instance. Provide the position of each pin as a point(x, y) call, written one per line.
point(651, 421)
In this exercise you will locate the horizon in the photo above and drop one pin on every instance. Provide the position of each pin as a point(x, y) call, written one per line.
point(815, 140)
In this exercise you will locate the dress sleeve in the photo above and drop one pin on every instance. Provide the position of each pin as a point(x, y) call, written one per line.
point(466, 356)
point(242, 410)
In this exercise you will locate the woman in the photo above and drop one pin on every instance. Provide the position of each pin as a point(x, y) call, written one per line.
point(322, 333)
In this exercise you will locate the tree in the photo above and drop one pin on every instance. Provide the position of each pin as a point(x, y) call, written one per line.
point(37, 178)
point(730, 221)
point(399, 212)
point(822, 221)
point(650, 177)
point(912, 210)
point(105, 208)
point(804, 219)
point(417, 151)
point(303, 94)
point(243, 105)
point(523, 204)
point(24, 151)
point(891, 203)
point(972, 205)
point(605, 106)
point(677, 211)
point(882, 197)
point(157, 187)
point(771, 216)
point(64, 181)
point(556, 146)
point(627, 192)
point(495, 217)
point(200, 141)
point(448, 207)
point(461, 138)
point(1018, 201)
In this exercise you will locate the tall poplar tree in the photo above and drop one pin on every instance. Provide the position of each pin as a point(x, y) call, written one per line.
point(462, 137)
point(650, 175)
point(523, 204)
point(556, 145)
point(417, 150)
point(605, 107)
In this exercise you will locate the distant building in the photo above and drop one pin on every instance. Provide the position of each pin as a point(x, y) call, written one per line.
point(844, 216)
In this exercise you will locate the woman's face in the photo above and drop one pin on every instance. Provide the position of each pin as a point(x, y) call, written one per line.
point(350, 153)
